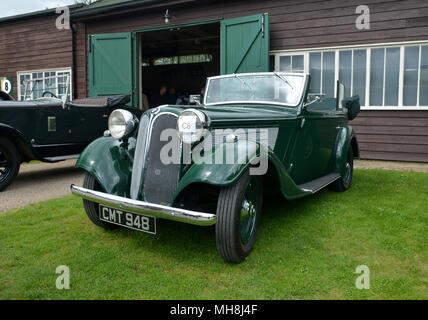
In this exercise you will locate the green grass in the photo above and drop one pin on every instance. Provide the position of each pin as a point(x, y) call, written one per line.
point(307, 249)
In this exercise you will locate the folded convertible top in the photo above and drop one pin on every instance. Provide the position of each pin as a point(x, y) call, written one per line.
point(108, 101)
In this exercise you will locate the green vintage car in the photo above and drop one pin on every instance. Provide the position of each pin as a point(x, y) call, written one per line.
point(211, 164)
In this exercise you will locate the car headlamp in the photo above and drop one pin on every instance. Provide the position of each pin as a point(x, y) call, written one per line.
point(121, 124)
point(192, 125)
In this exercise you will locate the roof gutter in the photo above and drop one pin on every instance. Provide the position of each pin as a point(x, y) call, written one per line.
point(85, 13)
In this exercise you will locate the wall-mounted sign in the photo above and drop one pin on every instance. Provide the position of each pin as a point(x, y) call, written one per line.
point(6, 85)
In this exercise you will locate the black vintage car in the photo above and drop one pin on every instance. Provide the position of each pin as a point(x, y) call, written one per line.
point(49, 129)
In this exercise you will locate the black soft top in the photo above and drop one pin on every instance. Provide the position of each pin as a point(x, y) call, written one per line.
point(108, 101)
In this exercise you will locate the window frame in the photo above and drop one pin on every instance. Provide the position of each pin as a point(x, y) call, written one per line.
point(56, 70)
point(368, 47)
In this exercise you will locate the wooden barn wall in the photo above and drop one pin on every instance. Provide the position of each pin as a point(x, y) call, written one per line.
point(33, 44)
point(295, 24)
point(392, 135)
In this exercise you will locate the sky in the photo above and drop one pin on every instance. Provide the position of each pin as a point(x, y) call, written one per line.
point(14, 7)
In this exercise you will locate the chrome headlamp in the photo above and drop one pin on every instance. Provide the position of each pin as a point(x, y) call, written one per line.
point(192, 125)
point(121, 124)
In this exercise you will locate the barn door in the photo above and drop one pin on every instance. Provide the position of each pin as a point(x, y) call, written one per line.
point(110, 64)
point(245, 44)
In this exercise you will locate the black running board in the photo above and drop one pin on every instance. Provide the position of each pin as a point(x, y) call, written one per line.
point(317, 184)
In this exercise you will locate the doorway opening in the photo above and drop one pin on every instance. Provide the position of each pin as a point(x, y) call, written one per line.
point(180, 59)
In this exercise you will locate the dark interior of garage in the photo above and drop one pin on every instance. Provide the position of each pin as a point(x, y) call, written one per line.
point(180, 59)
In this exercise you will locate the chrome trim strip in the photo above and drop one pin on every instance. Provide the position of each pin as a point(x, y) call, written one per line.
point(153, 118)
point(150, 209)
point(138, 165)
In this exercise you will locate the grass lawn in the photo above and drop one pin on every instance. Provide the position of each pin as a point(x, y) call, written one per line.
point(307, 249)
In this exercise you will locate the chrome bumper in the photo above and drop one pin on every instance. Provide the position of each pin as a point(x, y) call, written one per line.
point(150, 209)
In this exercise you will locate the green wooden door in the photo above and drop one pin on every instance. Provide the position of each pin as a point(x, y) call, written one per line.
point(245, 44)
point(110, 64)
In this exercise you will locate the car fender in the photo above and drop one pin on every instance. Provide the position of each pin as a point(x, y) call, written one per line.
point(109, 164)
point(22, 144)
point(222, 175)
point(344, 140)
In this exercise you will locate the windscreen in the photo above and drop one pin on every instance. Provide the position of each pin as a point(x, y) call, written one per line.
point(273, 88)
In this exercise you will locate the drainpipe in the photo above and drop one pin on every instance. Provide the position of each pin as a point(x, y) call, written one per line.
point(73, 62)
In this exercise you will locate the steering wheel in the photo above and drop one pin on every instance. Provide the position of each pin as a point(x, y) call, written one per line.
point(48, 92)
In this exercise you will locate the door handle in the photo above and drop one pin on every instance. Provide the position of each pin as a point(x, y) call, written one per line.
point(105, 115)
point(302, 123)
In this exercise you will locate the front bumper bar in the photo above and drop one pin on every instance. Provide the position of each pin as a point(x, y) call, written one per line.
point(146, 208)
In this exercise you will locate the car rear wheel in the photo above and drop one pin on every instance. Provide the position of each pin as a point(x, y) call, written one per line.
point(92, 208)
point(10, 161)
point(239, 211)
point(344, 183)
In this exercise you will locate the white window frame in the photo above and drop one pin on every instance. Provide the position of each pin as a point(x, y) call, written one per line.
point(306, 51)
point(30, 72)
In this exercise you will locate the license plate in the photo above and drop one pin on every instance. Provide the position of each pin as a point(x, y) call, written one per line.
point(127, 219)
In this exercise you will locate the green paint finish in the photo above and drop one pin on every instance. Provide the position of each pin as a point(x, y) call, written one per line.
point(344, 140)
point(245, 44)
point(209, 172)
point(109, 163)
point(227, 174)
point(110, 64)
point(312, 141)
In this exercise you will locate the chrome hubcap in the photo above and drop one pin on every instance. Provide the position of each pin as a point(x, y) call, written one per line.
point(348, 172)
point(249, 213)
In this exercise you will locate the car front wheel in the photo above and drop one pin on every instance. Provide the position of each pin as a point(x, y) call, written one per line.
point(10, 161)
point(239, 211)
point(92, 208)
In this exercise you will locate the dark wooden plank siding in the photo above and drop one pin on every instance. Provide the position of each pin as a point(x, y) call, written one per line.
point(297, 24)
point(392, 135)
point(33, 44)
point(294, 24)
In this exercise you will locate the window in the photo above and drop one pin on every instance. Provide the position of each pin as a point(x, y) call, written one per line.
point(390, 76)
point(33, 84)
point(292, 63)
point(193, 58)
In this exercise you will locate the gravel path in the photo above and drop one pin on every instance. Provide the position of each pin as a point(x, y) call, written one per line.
point(391, 165)
point(45, 181)
point(40, 182)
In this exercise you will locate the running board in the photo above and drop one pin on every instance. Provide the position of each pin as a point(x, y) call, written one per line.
point(61, 158)
point(317, 184)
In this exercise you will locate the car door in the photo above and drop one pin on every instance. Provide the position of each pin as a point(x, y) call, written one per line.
point(314, 141)
point(87, 123)
point(52, 125)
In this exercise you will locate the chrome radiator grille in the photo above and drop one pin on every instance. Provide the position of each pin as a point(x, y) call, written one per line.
point(152, 180)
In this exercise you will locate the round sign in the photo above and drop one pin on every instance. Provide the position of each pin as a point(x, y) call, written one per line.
point(6, 86)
